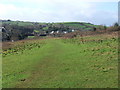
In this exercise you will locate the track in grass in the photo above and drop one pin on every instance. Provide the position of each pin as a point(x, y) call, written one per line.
point(59, 63)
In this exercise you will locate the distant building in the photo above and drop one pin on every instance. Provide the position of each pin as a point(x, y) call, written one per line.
point(73, 30)
point(64, 32)
point(57, 31)
point(52, 32)
point(2, 28)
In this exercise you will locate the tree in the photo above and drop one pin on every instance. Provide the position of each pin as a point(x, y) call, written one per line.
point(116, 24)
point(105, 27)
point(8, 20)
point(94, 29)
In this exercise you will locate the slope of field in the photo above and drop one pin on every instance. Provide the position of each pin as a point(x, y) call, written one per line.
point(80, 25)
point(62, 63)
point(72, 25)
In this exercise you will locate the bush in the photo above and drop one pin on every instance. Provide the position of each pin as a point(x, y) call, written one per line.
point(114, 28)
point(116, 24)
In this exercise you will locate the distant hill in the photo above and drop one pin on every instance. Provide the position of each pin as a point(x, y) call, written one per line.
point(71, 25)
point(21, 29)
point(79, 25)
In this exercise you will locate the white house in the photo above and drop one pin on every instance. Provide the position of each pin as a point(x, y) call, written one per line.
point(64, 32)
point(52, 32)
point(1, 28)
point(57, 31)
point(73, 30)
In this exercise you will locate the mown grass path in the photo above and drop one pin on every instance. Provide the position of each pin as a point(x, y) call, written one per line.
point(59, 64)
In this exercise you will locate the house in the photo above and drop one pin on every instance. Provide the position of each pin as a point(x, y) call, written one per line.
point(64, 32)
point(5, 34)
point(3, 29)
point(73, 30)
point(52, 32)
point(57, 31)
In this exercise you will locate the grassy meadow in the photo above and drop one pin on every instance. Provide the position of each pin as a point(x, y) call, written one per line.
point(87, 62)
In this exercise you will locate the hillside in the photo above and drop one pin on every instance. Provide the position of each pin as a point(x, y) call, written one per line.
point(73, 25)
point(39, 26)
point(62, 63)
point(79, 25)
point(17, 30)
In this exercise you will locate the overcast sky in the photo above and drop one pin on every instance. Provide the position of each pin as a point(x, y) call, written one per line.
point(95, 11)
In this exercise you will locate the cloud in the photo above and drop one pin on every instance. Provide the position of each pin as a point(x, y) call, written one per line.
point(56, 11)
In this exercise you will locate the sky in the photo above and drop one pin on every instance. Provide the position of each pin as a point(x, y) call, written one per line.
point(100, 12)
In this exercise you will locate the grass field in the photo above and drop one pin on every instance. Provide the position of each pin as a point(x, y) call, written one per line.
point(62, 63)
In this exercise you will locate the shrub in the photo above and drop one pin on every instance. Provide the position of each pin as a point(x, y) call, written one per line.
point(116, 24)
point(113, 28)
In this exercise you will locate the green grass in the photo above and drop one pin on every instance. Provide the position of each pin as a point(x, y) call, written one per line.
point(74, 25)
point(31, 37)
point(16, 65)
point(63, 63)
point(19, 23)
